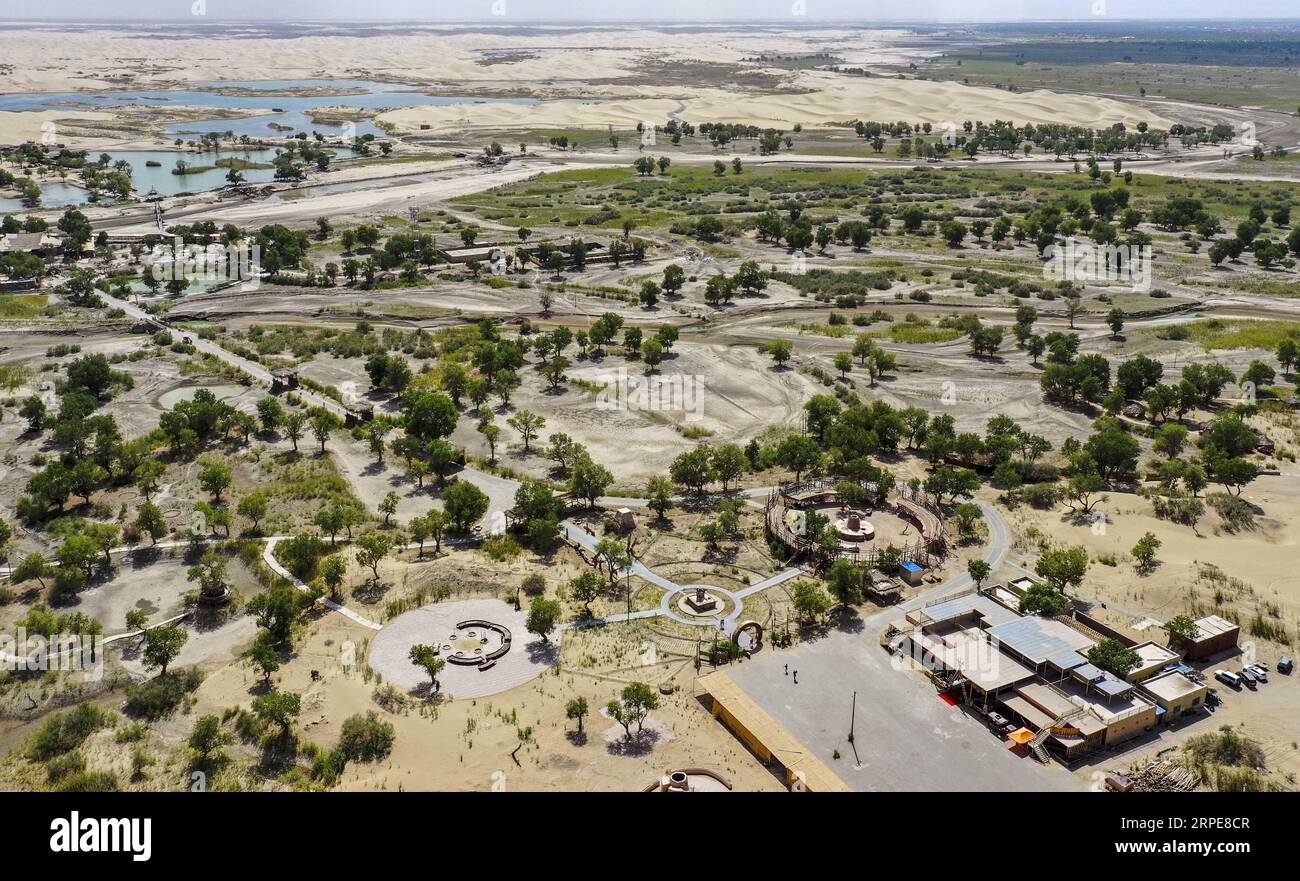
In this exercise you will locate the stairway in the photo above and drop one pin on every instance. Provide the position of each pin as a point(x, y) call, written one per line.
point(1036, 746)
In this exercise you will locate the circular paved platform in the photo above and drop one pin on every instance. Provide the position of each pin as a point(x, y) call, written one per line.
point(527, 659)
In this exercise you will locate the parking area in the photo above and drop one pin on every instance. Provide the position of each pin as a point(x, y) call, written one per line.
point(905, 737)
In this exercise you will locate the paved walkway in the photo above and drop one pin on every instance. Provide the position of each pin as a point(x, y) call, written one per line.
point(585, 539)
point(268, 557)
point(501, 490)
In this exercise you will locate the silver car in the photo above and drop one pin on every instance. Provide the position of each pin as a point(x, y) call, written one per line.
point(1260, 672)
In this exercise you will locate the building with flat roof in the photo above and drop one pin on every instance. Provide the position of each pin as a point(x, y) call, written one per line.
point(768, 738)
point(1213, 635)
point(1176, 693)
point(967, 651)
point(972, 605)
point(1080, 717)
point(1152, 659)
point(1043, 643)
point(1036, 669)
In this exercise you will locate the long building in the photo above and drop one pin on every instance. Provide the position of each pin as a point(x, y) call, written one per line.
point(1035, 671)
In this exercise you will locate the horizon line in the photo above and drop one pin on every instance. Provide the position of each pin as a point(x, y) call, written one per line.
point(505, 22)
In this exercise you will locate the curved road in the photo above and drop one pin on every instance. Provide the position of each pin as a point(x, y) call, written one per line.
point(500, 489)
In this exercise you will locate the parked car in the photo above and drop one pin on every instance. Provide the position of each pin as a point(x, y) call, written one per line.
point(1259, 671)
point(1212, 698)
point(1248, 679)
point(1227, 678)
point(1285, 664)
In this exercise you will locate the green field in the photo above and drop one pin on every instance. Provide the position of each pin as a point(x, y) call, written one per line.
point(23, 305)
point(606, 197)
point(1228, 333)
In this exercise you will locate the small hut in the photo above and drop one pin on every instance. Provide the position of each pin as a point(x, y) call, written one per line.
point(284, 379)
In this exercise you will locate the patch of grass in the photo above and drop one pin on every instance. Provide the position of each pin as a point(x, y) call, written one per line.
point(909, 332)
point(502, 548)
point(64, 732)
point(1232, 333)
point(23, 305)
point(693, 432)
point(159, 697)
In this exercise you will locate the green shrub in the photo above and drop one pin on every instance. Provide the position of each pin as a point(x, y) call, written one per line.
point(159, 697)
point(65, 732)
point(366, 738)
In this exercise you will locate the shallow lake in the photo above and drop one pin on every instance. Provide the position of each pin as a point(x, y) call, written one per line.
point(54, 194)
point(291, 111)
point(160, 177)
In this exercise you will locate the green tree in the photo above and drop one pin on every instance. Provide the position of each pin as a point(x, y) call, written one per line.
point(1114, 657)
point(366, 738)
point(278, 708)
point(659, 495)
point(207, 741)
point(293, 428)
point(332, 572)
point(1043, 599)
point(844, 580)
point(780, 351)
point(633, 705)
point(162, 645)
point(576, 709)
point(810, 601)
point(543, 615)
point(426, 657)
point(528, 424)
point(1144, 552)
point(371, 549)
point(264, 657)
point(585, 589)
point(388, 506)
point(1115, 321)
point(253, 507)
point(1063, 568)
point(1182, 627)
point(215, 478)
point(150, 519)
point(465, 505)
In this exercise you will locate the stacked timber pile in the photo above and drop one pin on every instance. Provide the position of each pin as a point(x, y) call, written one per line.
point(1163, 776)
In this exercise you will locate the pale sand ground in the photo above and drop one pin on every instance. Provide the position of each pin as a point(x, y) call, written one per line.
point(622, 68)
point(46, 58)
point(31, 125)
point(832, 99)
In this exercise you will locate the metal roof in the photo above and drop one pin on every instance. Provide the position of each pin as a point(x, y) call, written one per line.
point(1088, 673)
point(1213, 625)
point(1112, 687)
point(1067, 660)
point(967, 604)
point(1038, 639)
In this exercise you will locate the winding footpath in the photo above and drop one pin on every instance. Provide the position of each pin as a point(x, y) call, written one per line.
point(500, 489)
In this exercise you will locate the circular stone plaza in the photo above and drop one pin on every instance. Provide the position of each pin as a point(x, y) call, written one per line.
point(484, 642)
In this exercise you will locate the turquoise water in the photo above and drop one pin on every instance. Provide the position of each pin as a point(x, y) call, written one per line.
point(293, 111)
point(168, 184)
point(53, 195)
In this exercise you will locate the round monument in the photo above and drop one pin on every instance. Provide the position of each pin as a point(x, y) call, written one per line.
point(853, 526)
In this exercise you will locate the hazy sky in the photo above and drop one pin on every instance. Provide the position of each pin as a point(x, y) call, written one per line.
point(641, 10)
